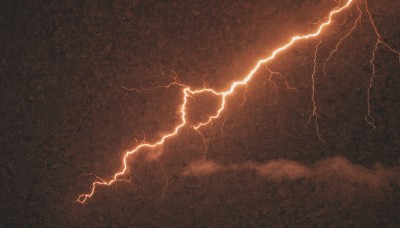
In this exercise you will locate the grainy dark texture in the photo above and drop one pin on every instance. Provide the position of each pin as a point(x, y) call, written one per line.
point(66, 113)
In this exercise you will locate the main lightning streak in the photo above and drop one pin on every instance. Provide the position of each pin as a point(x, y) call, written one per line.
point(188, 92)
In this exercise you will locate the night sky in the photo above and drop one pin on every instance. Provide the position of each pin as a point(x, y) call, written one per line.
point(69, 113)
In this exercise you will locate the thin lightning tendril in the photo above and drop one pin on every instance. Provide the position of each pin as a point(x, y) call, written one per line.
point(166, 179)
point(343, 38)
point(314, 110)
point(187, 92)
point(368, 117)
point(281, 76)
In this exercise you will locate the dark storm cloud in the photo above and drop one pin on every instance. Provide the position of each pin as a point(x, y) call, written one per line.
point(337, 171)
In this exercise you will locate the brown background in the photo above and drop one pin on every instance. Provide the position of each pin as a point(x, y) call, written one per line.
point(65, 112)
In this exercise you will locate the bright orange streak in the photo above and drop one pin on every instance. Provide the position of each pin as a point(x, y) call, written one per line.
point(83, 197)
point(187, 92)
point(271, 57)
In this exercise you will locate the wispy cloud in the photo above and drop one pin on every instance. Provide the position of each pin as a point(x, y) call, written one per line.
point(332, 170)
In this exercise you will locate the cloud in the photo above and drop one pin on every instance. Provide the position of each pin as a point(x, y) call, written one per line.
point(201, 168)
point(283, 169)
point(341, 169)
point(333, 170)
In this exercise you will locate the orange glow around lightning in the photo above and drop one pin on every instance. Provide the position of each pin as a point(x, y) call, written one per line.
point(187, 92)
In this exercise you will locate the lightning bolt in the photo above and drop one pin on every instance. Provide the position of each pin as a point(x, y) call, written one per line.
point(187, 93)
